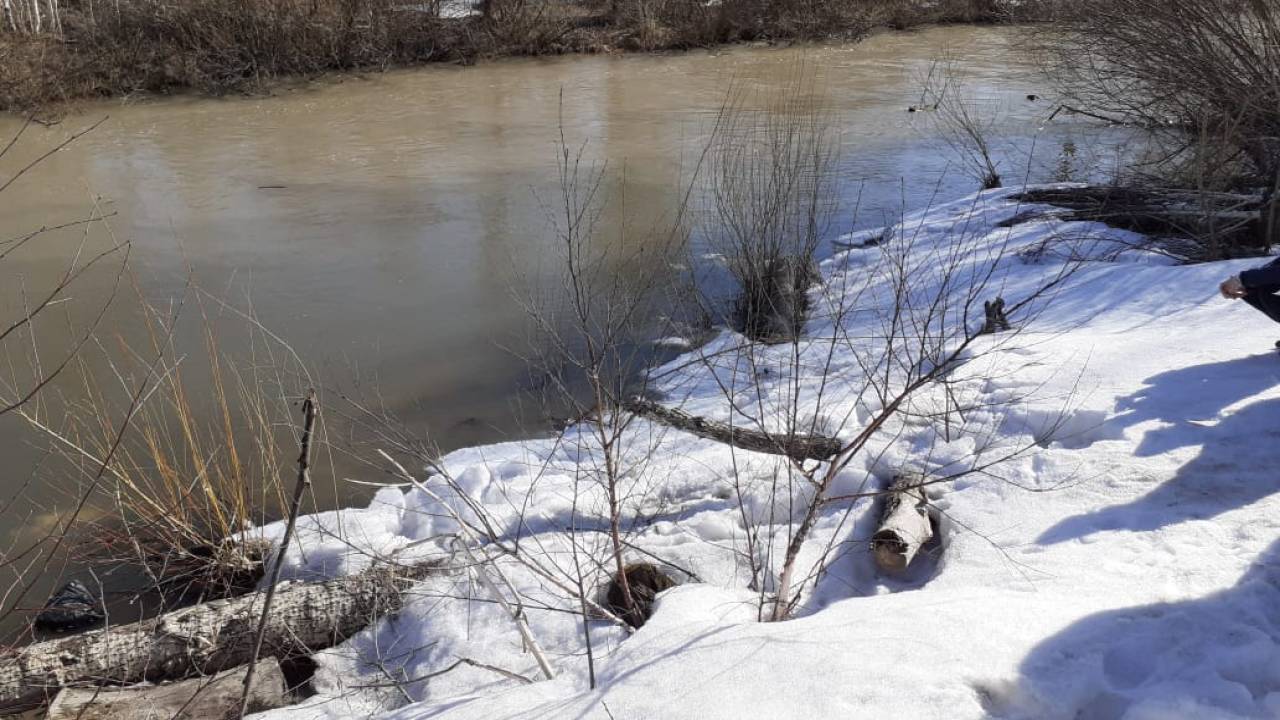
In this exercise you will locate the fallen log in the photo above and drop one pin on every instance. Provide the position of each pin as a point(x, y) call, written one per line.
point(206, 639)
point(905, 525)
point(211, 698)
point(797, 447)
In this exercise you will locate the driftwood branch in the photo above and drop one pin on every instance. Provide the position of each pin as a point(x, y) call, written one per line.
point(1086, 113)
point(796, 446)
point(208, 638)
point(1089, 197)
point(905, 525)
point(1231, 218)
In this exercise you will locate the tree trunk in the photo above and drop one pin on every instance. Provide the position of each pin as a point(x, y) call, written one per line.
point(1271, 220)
point(797, 446)
point(905, 525)
point(211, 698)
point(206, 639)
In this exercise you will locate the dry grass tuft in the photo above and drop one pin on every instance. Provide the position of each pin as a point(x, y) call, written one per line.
point(199, 463)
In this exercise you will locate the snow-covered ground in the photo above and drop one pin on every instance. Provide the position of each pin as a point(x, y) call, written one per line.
point(1125, 563)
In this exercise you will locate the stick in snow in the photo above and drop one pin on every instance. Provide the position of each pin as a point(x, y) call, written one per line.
point(300, 489)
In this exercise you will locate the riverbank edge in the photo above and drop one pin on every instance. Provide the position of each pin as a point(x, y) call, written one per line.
point(48, 77)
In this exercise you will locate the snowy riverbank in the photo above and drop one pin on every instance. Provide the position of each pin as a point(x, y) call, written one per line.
point(1123, 563)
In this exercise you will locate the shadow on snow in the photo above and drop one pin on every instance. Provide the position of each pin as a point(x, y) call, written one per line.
point(1239, 459)
point(1212, 657)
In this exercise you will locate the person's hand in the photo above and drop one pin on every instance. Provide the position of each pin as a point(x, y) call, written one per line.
point(1233, 289)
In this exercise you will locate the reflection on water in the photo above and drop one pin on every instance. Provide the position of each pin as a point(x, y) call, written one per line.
point(375, 222)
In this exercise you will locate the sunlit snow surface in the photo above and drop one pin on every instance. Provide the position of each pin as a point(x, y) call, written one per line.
point(1127, 567)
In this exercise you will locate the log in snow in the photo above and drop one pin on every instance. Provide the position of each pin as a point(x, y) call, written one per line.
point(211, 698)
point(905, 525)
point(797, 447)
point(206, 639)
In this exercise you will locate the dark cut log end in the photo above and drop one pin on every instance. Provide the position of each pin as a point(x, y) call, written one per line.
point(890, 551)
point(645, 581)
point(71, 608)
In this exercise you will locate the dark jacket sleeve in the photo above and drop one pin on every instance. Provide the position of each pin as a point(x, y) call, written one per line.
point(1266, 276)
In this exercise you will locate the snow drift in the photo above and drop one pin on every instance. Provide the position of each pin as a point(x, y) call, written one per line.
point(1125, 566)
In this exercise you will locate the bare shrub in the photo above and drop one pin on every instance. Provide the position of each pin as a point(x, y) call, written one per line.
point(608, 296)
point(1203, 76)
point(630, 594)
point(19, 331)
point(657, 24)
point(770, 181)
point(216, 46)
point(1181, 62)
point(962, 121)
point(163, 462)
point(527, 27)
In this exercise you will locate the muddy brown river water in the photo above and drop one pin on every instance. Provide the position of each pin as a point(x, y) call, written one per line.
point(377, 222)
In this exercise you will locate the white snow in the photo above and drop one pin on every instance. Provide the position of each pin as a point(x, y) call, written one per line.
point(1127, 567)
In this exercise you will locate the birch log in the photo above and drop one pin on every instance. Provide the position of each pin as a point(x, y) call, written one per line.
point(211, 698)
point(905, 526)
point(798, 446)
point(205, 639)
